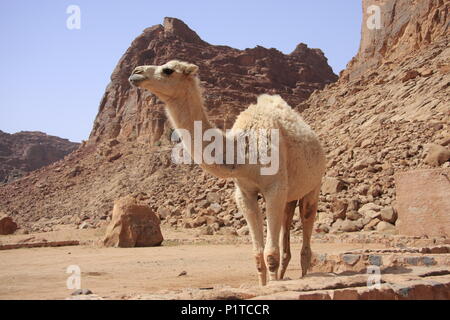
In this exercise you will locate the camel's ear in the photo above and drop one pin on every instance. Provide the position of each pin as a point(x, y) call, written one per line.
point(191, 69)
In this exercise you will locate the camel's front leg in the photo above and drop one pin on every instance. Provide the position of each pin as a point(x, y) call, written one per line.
point(247, 202)
point(275, 208)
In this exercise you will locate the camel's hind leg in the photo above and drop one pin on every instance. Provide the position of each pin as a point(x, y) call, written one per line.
point(308, 211)
point(285, 239)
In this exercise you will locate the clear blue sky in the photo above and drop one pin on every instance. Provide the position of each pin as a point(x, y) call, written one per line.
point(52, 78)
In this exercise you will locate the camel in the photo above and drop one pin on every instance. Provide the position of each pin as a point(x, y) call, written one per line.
point(296, 182)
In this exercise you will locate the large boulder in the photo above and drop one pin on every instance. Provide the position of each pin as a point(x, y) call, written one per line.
point(133, 224)
point(423, 202)
point(7, 225)
point(436, 155)
point(332, 185)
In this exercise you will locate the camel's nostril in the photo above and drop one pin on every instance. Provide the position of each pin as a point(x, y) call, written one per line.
point(135, 79)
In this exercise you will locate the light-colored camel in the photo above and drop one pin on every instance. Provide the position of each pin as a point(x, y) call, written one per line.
point(301, 162)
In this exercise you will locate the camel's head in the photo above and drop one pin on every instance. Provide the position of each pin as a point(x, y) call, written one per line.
point(166, 81)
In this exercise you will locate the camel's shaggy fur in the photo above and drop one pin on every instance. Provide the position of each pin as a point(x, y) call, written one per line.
point(301, 162)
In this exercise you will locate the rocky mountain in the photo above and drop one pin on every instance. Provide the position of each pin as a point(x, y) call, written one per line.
point(25, 151)
point(232, 79)
point(388, 112)
point(128, 151)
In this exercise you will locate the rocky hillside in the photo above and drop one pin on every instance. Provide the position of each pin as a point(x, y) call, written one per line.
point(129, 151)
point(389, 112)
point(25, 151)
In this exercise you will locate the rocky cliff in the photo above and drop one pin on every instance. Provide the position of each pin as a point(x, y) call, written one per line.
point(388, 113)
point(23, 152)
point(405, 26)
point(232, 79)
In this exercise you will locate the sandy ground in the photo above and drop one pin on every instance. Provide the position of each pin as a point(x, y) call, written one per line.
point(120, 273)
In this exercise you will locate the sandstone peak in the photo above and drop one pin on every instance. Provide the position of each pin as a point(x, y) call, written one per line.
point(176, 27)
point(232, 79)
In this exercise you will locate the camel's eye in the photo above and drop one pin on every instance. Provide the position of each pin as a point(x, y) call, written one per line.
point(167, 71)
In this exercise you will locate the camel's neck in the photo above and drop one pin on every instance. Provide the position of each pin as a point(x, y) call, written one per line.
point(187, 112)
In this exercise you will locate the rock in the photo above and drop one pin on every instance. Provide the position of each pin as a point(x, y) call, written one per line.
point(372, 51)
point(336, 227)
point(163, 212)
point(22, 231)
point(353, 215)
point(199, 221)
point(202, 204)
point(410, 74)
point(332, 185)
point(26, 151)
point(210, 220)
point(376, 191)
point(339, 208)
point(351, 259)
point(349, 226)
point(205, 231)
point(353, 205)
point(372, 224)
point(214, 208)
point(213, 197)
point(228, 231)
point(83, 225)
point(384, 226)
point(81, 292)
point(388, 214)
point(7, 225)
point(436, 155)
point(423, 202)
point(368, 208)
point(363, 189)
point(244, 231)
point(326, 218)
point(190, 210)
point(188, 223)
point(227, 220)
point(182, 273)
point(322, 228)
point(372, 214)
point(133, 224)
point(364, 163)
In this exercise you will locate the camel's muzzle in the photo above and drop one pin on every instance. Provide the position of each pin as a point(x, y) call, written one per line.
point(135, 79)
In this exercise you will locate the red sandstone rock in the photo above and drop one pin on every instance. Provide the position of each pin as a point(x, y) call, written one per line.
point(423, 202)
point(25, 151)
point(7, 225)
point(405, 28)
point(231, 78)
point(132, 225)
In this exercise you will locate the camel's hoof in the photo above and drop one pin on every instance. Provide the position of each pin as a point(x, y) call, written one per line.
point(273, 276)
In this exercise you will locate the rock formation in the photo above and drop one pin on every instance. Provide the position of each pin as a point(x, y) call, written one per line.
point(7, 225)
point(133, 224)
point(377, 120)
point(23, 152)
point(231, 78)
point(388, 113)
